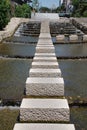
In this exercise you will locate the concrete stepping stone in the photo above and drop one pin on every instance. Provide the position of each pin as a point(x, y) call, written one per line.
point(37, 86)
point(44, 35)
point(45, 73)
point(60, 38)
point(44, 45)
point(41, 126)
point(41, 40)
point(44, 110)
point(45, 54)
point(45, 65)
point(45, 50)
point(45, 59)
point(84, 38)
point(73, 38)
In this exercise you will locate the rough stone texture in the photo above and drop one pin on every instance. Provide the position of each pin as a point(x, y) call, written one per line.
point(45, 45)
point(45, 27)
point(45, 86)
point(47, 65)
point(45, 59)
point(52, 110)
point(43, 40)
point(11, 27)
point(44, 35)
point(84, 38)
point(45, 73)
point(45, 54)
point(45, 49)
point(60, 38)
point(73, 38)
point(39, 126)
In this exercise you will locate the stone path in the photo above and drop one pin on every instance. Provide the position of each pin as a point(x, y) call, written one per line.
point(44, 104)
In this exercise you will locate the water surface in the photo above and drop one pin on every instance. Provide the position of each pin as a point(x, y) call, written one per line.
point(13, 75)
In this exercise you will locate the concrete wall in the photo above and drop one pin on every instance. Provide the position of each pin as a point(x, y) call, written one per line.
point(11, 27)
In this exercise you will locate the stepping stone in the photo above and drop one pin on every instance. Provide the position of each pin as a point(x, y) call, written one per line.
point(36, 86)
point(84, 38)
point(45, 50)
point(45, 73)
point(44, 35)
point(45, 54)
point(44, 110)
point(44, 45)
point(45, 65)
point(41, 40)
point(45, 59)
point(41, 126)
point(60, 38)
point(73, 38)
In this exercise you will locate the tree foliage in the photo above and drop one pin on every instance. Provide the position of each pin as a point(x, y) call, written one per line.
point(4, 13)
point(23, 11)
point(80, 8)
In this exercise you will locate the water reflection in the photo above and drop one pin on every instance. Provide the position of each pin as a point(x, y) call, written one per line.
point(74, 73)
point(71, 50)
point(17, 50)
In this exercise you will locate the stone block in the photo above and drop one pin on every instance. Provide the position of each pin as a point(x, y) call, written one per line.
point(45, 45)
point(36, 86)
point(45, 59)
point(45, 73)
point(45, 50)
point(45, 54)
point(85, 38)
point(44, 110)
point(45, 65)
point(73, 38)
point(45, 40)
point(60, 38)
point(44, 35)
point(41, 126)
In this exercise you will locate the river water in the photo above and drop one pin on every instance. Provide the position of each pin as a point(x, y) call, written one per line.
point(14, 72)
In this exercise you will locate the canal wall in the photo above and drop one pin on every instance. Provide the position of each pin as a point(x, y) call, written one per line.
point(44, 103)
point(11, 27)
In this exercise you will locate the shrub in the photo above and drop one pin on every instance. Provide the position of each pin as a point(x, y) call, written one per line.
point(23, 11)
point(85, 14)
point(4, 13)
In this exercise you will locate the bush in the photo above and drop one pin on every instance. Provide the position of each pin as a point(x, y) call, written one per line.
point(23, 11)
point(85, 14)
point(4, 13)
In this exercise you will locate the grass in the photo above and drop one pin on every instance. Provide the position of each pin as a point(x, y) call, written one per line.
point(8, 118)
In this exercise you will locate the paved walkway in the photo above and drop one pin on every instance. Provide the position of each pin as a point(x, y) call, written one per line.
point(45, 90)
point(43, 16)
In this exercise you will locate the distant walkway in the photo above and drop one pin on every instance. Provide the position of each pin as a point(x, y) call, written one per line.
point(42, 16)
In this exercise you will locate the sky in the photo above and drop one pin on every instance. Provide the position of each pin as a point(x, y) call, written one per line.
point(49, 3)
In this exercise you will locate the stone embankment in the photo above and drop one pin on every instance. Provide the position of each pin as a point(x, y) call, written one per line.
point(11, 27)
point(81, 23)
point(44, 103)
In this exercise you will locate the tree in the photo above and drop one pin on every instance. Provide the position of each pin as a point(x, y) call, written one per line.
point(23, 11)
point(35, 4)
point(4, 13)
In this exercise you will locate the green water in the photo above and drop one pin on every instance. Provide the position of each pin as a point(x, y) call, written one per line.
point(79, 118)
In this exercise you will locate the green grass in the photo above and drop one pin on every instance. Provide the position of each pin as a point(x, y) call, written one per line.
point(8, 118)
